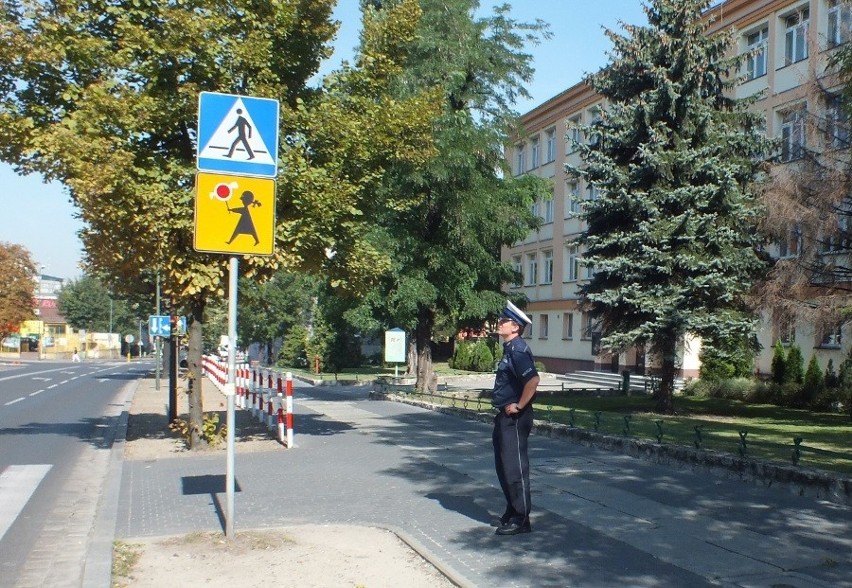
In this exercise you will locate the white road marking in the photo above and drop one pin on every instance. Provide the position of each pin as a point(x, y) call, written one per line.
point(42, 379)
point(15, 400)
point(36, 392)
point(52, 386)
point(17, 484)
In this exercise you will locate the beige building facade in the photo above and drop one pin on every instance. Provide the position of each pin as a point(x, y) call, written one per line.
point(786, 44)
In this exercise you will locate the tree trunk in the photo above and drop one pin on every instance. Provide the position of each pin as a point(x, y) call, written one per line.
point(193, 358)
point(423, 336)
point(667, 349)
point(411, 367)
point(269, 359)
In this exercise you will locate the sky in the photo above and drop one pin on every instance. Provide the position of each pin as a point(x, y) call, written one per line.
point(42, 218)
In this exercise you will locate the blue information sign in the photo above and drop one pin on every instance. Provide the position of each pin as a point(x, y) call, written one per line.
point(237, 134)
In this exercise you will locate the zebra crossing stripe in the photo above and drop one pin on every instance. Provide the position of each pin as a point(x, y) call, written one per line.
point(17, 484)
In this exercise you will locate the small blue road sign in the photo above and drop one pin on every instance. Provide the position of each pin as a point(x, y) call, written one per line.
point(237, 134)
point(159, 326)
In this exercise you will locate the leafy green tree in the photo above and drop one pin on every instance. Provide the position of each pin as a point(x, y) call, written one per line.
point(451, 214)
point(103, 98)
point(671, 238)
point(19, 282)
point(293, 352)
point(86, 303)
point(779, 364)
point(727, 359)
point(269, 310)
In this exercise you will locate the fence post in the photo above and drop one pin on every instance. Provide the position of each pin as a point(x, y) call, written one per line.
point(698, 441)
point(742, 448)
point(797, 450)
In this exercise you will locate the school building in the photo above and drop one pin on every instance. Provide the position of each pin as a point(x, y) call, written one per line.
point(787, 44)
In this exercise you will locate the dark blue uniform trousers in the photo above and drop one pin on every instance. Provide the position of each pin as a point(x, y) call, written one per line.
point(510, 456)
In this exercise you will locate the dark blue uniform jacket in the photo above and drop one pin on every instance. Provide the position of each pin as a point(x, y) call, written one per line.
point(515, 369)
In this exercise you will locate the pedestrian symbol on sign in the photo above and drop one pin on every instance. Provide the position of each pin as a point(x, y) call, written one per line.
point(247, 145)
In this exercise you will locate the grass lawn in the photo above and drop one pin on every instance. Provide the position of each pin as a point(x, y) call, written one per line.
point(770, 430)
point(826, 438)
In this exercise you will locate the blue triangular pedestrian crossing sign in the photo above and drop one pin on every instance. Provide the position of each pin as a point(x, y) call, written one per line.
point(237, 134)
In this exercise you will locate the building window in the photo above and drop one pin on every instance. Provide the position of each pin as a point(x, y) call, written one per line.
point(542, 326)
point(547, 278)
point(832, 335)
point(568, 325)
point(532, 269)
point(792, 245)
point(550, 137)
point(572, 263)
point(593, 191)
point(520, 160)
point(535, 208)
point(756, 46)
point(837, 123)
point(841, 239)
point(796, 40)
point(516, 265)
point(595, 118)
point(787, 331)
point(534, 153)
point(839, 22)
point(548, 210)
point(589, 326)
point(793, 135)
point(572, 188)
point(575, 133)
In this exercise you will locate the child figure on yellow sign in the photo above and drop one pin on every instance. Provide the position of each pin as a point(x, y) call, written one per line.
point(245, 226)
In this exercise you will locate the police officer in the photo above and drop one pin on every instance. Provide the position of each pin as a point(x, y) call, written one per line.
point(514, 390)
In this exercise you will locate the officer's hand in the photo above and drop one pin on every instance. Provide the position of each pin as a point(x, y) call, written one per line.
point(512, 409)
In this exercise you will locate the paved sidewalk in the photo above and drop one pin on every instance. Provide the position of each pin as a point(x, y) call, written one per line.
point(599, 518)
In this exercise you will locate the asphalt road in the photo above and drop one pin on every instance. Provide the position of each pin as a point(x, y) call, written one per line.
point(53, 419)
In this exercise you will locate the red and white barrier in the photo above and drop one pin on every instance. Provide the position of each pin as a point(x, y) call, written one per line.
point(266, 403)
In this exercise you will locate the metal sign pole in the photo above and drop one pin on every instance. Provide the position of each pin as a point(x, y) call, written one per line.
point(230, 390)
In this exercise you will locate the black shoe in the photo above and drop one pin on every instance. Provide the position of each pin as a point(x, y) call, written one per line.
point(503, 520)
point(514, 528)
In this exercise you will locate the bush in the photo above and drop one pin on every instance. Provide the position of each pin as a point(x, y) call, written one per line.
point(813, 384)
point(481, 358)
point(293, 352)
point(726, 359)
point(795, 365)
point(831, 400)
point(779, 364)
point(539, 367)
point(474, 356)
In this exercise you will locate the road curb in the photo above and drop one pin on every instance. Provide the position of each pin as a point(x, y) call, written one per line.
point(97, 569)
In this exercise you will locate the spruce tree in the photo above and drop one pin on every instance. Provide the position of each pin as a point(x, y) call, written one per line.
point(671, 237)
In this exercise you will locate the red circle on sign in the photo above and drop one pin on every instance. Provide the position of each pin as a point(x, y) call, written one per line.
point(223, 190)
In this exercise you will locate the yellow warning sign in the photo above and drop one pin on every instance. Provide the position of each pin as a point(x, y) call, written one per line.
point(234, 214)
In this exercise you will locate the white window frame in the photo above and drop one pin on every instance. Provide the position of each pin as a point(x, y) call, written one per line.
point(517, 265)
point(791, 246)
point(520, 159)
point(796, 35)
point(594, 117)
point(832, 335)
point(532, 269)
point(757, 44)
point(535, 151)
point(548, 210)
point(793, 134)
point(572, 263)
point(593, 192)
point(839, 23)
point(568, 326)
point(572, 191)
point(547, 266)
point(550, 140)
point(837, 123)
point(543, 326)
point(575, 133)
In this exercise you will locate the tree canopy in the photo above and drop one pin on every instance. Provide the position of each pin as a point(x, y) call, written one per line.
point(103, 98)
point(451, 214)
point(672, 236)
point(86, 303)
point(19, 283)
